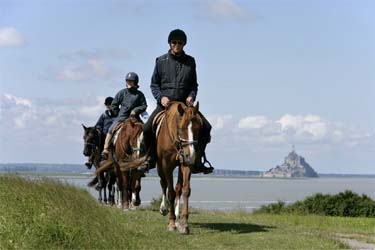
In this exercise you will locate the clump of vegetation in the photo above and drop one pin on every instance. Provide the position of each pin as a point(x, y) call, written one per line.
point(154, 204)
point(348, 204)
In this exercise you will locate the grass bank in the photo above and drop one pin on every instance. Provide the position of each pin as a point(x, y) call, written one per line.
point(48, 215)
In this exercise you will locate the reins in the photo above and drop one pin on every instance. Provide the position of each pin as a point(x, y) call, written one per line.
point(181, 142)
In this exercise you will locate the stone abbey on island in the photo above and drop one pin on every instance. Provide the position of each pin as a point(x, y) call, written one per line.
point(294, 166)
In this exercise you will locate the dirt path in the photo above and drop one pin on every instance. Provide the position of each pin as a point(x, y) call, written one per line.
point(354, 244)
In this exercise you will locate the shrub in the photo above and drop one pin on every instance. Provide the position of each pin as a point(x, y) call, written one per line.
point(345, 203)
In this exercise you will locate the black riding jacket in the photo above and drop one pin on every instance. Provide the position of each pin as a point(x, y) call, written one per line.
point(174, 77)
point(129, 100)
point(105, 121)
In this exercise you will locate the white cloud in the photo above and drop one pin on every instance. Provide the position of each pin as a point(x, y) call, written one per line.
point(92, 110)
point(8, 99)
point(224, 9)
point(310, 125)
point(86, 65)
point(219, 121)
point(253, 122)
point(297, 129)
point(9, 37)
point(71, 74)
point(98, 67)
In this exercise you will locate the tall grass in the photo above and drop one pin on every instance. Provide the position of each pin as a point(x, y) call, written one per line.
point(45, 214)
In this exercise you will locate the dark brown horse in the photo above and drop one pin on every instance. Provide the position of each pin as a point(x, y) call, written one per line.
point(176, 143)
point(93, 144)
point(127, 148)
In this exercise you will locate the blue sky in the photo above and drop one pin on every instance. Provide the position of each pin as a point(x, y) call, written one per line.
point(271, 74)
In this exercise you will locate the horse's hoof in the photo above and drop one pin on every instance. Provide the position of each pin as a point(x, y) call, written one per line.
point(171, 228)
point(183, 229)
point(163, 212)
point(126, 210)
point(137, 203)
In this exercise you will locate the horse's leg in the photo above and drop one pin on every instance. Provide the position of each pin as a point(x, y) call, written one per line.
point(104, 188)
point(171, 198)
point(137, 189)
point(178, 195)
point(186, 174)
point(164, 201)
point(120, 191)
point(100, 195)
point(125, 189)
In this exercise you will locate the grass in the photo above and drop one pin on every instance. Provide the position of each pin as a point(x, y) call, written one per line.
point(45, 214)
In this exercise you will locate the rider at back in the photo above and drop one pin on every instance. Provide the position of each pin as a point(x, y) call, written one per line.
point(127, 102)
point(104, 122)
point(175, 79)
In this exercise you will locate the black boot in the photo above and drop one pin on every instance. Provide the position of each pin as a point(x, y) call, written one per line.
point(88, 165)
point(149, 164)
point(199, 167)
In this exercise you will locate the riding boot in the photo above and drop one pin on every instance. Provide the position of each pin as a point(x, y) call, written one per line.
point(199, 166)
point(107, 141)
point(149, 145)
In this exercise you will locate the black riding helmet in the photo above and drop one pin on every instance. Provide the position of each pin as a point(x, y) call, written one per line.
point(131, 76)
point(177, 34)
point(108, 100)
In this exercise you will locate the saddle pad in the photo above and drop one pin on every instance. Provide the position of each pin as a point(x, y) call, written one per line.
point(116, 133)
point(157, 120)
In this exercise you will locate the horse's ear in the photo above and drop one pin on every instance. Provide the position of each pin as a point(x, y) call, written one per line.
point(84, 127)
point(197, 107)
point(180, 109)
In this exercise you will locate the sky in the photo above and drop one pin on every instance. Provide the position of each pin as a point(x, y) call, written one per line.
point(271, 74)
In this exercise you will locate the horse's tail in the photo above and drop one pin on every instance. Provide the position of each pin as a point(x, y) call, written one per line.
point(93, 182)
point(128, 165)
point(106, 165)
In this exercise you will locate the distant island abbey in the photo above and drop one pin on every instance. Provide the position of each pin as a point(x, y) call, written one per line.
point(294, 166)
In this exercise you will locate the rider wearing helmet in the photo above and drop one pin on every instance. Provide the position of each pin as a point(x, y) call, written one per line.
point(175, 79)
point(127, 102)
point(104, 122)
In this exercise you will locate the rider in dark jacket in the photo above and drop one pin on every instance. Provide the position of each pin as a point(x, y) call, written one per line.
point(128, 102)
point(104, 122)
point(175, 79)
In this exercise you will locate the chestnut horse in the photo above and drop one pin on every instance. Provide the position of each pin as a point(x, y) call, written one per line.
point(127, 148)
point(176, 142)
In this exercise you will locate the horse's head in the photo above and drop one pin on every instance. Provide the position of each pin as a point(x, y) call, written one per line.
point(91, 139)
point(188, 131)
point(131, 137)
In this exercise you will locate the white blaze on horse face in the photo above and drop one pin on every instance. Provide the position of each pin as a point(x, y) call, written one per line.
point(139, 141)
point(191, 139)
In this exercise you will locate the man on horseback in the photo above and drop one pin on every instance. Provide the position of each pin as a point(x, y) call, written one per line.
point(102, 125)
point(127, 102)
point(175, 79)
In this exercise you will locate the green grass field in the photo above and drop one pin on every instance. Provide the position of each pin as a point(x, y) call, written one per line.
point(49, 215)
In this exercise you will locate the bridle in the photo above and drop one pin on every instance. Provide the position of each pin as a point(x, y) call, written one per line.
point(94, 147)
point(180, 143)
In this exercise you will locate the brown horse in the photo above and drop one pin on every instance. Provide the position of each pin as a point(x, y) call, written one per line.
point(176, 143)
point(127, 148)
